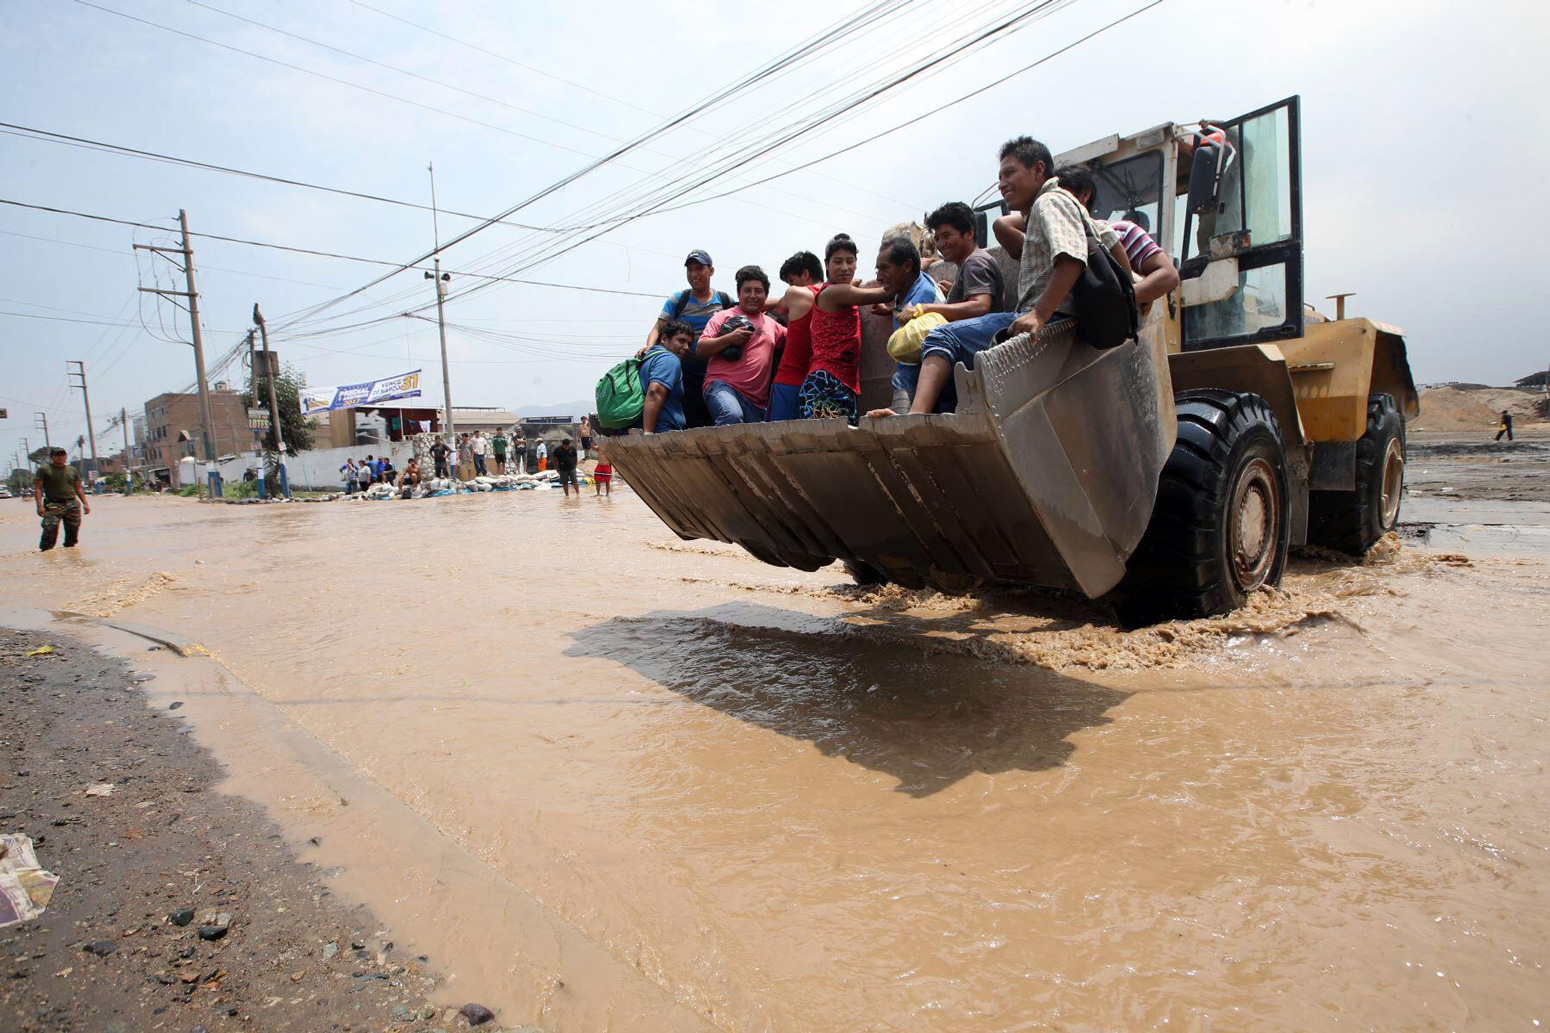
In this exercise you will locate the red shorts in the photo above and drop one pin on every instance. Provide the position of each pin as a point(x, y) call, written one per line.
point(603, 474)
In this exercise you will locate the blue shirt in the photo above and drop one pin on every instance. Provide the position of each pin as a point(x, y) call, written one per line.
point(922, 292)
point(661, 366)
point(696, 313)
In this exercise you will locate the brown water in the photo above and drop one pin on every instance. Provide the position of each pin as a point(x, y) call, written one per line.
point(615, 781)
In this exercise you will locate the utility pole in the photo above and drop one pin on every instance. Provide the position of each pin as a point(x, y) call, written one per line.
point(80, 371)
point(252, 371)
point(129, 476)
point(41, 420)
point(207, 424)
point(269, 372)
point(441, 280)
point(274, 406)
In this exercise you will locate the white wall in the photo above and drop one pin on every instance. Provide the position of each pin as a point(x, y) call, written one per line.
point(314, 470)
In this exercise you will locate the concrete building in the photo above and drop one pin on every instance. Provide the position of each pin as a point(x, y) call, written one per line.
point(168, 414)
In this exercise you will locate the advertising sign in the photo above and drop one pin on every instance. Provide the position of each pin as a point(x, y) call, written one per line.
point(321, 400)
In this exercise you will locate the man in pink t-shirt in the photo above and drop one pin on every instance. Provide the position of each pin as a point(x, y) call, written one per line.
point(737, 375)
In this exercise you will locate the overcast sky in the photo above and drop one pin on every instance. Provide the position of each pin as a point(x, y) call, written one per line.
point(1418, 121)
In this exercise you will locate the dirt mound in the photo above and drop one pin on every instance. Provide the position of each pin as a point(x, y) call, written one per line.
point(1473, 409)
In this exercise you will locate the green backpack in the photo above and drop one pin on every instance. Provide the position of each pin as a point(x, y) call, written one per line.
point(620, 401)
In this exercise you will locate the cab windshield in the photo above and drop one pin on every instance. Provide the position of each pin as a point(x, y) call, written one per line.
point(1131, 190)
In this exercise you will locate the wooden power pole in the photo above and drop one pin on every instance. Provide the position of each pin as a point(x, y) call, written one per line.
point(269, 373)
point(80, 371)
point(206, 422)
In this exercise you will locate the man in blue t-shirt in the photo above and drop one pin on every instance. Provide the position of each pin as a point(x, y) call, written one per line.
point(694, 306)
point(662, 378)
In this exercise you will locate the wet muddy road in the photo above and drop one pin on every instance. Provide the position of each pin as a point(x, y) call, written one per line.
point(623, 782)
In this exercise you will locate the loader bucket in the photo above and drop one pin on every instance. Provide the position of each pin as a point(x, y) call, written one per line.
point(1046, 474)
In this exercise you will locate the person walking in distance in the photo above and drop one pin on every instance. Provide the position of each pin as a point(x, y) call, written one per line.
point(1505, 426)
point(56, 488)
point(518, 452)
point(602, 476)
point(565, 463)
point(586, 436)
point(542, 455)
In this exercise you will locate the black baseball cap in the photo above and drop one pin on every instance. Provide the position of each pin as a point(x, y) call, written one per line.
point(57, 451)
point(700, 256)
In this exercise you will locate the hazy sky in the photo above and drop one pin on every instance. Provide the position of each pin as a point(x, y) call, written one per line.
point(1418, 123)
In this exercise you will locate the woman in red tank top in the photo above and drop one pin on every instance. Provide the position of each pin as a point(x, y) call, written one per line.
point(804, 274)
point(832, 387)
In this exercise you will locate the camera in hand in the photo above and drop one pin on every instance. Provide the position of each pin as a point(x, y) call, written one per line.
point(737, 322)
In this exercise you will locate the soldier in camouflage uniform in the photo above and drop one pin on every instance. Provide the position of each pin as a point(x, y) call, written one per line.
point(57, 490)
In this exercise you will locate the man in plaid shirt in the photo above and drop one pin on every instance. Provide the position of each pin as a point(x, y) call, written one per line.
point(1054, 252)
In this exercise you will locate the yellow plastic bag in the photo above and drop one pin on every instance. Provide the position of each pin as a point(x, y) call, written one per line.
point(906, 342)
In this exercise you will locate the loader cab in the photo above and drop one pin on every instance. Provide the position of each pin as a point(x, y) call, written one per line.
point(1239, 245)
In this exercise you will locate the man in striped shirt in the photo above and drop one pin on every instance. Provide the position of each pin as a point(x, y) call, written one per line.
point(1155, 272)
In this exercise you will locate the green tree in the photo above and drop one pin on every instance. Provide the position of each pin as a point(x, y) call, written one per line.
point(299, 430)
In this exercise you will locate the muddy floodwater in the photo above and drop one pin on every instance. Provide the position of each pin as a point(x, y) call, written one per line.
point(608, 780)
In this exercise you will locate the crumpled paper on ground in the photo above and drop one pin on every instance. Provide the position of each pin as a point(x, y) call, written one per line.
point(25, 888)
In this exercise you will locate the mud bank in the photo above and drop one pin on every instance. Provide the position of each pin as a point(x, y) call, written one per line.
point(117, 947)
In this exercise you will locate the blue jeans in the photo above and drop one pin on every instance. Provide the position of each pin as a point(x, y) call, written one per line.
point(727, 406)
point(783, 402)
point(955, 342)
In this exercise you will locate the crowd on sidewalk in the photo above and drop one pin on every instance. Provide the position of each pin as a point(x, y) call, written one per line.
point(474, 455)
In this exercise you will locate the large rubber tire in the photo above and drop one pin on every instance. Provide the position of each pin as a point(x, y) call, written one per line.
point(1353, 521)
point(1221, 524)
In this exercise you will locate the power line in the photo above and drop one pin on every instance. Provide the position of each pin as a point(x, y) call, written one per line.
point(47, 136)
point(367, 89)
point(333, 79)
point(568, 82)
point(934, 111)
point(743, 152)
point(302, 251)
point(973, 40)
point(845, 28)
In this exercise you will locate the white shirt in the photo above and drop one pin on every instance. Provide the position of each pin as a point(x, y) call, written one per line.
point(543, 450)
point(480, 444)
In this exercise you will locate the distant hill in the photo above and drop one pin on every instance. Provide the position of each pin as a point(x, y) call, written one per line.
point(1467, 407)
point(580, 408)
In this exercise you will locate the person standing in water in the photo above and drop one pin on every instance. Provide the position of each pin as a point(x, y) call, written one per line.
point(56, 488)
